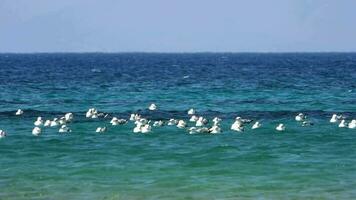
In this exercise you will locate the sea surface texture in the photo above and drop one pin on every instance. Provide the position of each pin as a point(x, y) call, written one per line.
point(311, 162)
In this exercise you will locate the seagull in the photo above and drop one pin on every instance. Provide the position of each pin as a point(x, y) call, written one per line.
point(193, 118)
point(181, 124)
point(191, 111)
point(19, 112)
point(334, 118)
point(215, 129)
point(68, 117)
point(146, 128)
point(36, 131)
point(352, 124)
point(38, 122)
point(256, 125)
point(64, 129)
point(2, 134)
point(342, 124)
point(100, 129)
point(280, 127)
point(300, 117)
point(152, 107)
point(158, 123)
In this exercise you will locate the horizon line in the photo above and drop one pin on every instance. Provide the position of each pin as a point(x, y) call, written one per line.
point(178, 52)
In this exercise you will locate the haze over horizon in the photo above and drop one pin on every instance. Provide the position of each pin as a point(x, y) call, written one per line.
point(177, 26)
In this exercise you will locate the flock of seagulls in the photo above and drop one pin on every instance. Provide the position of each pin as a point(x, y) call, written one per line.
point(143, 125)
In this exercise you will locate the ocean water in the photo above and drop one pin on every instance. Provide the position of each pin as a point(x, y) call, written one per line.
point(314, 162)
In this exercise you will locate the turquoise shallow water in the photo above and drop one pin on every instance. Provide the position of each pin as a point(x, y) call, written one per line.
point(316, 162)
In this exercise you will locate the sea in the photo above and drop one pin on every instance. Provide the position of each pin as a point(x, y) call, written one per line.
point(302, 162)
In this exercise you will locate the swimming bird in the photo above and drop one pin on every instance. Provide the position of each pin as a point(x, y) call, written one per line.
point(158, 123)
point(68, 117)
point(256, 125)
point(152, 107)
point(38, 122)
point(193, 118)
point(203, 130)
point(47, 123)
point(172, 122)
point(342, 124)
point(64, 129)
point(94, 115)
point(55, 122)
point(137, 128)
point(216, 120)
point(2, 134)
point(307, 123)
point(146, 128)
point(237, 125)
point(36, 131)
point(201, 121)
point(215, 129)
point(115, 121)
point(334, 118)
point(90, 112)
point(19, 112)
point(100, 129)
point(134, 117)
point(352, 124)
point(300, 117)
point(62, 120)
point(191, 111)
point(280, 127)
point(181, 124)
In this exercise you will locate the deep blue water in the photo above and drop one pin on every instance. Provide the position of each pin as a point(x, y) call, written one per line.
point(303, 162)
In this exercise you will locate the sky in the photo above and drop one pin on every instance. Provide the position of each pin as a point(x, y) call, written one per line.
point(177, 25)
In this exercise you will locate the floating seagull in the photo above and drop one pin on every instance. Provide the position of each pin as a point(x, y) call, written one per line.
point(54, 122)
point(19, 112)
point(62, 120)
point(216, 120)
point(181, 124)
point(152, 107)
point(47, 123)
point(90, 112)
point(172, 122)
point(100, 129)
point(334, 118)
point(215, 129)
point(68, 117)
point(38, 122)
point(352, 124)
point(193, 118)
point(300, 117)
point(146, 128)
point(203, 130)
point(134, 117)
point(2, 134)
point(280, 127)
point(342, 124)
point(237, 125)
point(115, 121)
point(201, 121)
point(307, 123)
point(158, 123)
point(64, 129)
point(256, 125)
point(36, 131)
point(191, 111)
point(137, 129)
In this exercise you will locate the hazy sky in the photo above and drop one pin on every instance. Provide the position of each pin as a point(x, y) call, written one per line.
point(177, 25)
